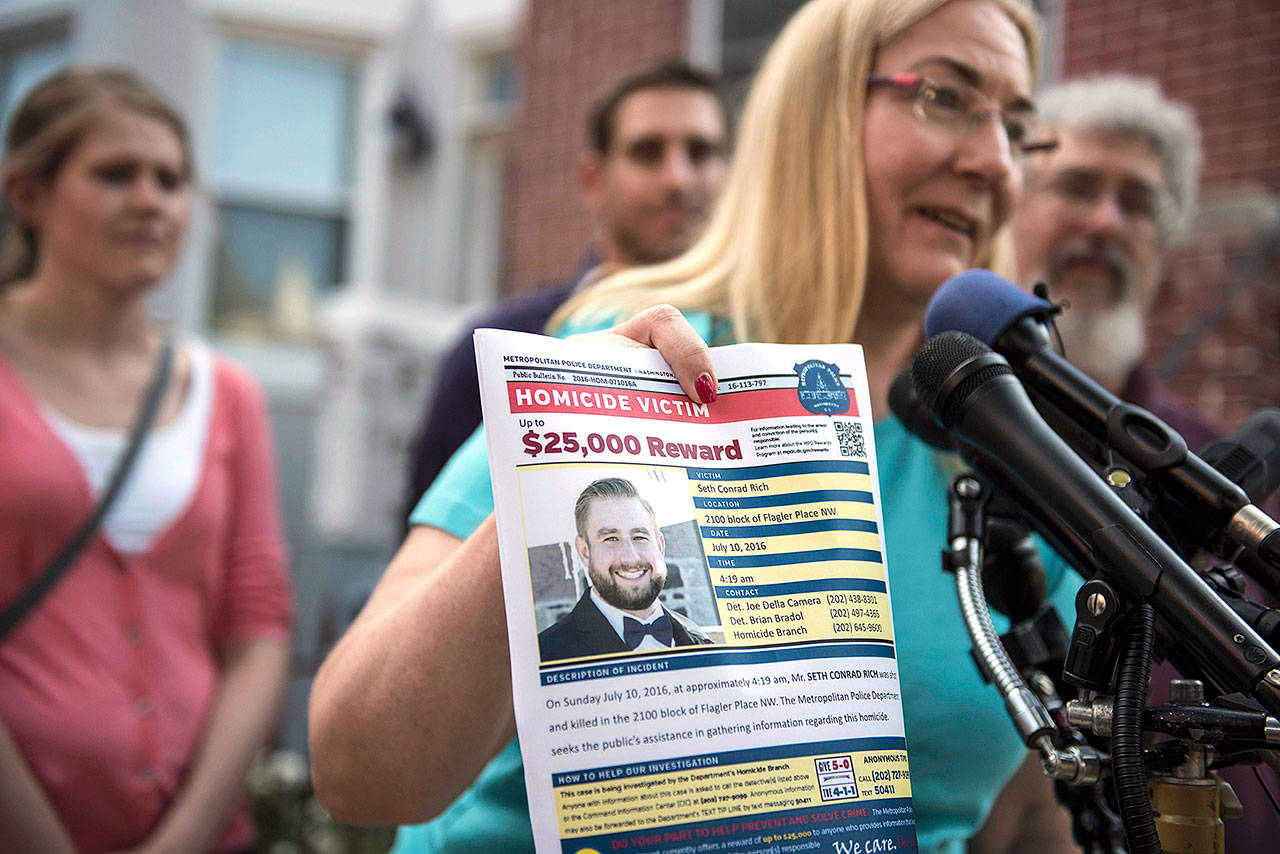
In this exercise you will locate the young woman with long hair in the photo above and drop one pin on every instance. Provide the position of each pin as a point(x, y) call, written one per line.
point(135, 692)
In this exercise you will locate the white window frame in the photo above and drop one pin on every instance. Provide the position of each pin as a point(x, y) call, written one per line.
point(362, 206)
point(704, 44)
point(1053, 19)
point(485, 129)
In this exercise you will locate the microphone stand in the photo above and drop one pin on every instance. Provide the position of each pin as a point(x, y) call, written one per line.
point(1175, 777)
point(1076, 767)
point(1106, 530)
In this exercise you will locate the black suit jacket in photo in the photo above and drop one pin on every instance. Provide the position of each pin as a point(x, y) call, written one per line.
point(586, 631)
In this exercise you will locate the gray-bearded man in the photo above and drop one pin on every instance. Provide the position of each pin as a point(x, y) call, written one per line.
point(1098, 213)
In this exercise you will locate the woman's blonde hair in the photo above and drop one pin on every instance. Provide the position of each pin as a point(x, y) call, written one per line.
point(48, 124)
point(784, 254)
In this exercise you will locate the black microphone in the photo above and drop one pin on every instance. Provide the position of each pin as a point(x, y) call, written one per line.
point(908, 408)
point(1249, 457)
point(1199, 498)
point(1013, 577)
point(917, 417)
point(973, 393)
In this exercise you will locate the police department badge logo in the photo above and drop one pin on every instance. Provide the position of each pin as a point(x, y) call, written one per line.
point(821, 391)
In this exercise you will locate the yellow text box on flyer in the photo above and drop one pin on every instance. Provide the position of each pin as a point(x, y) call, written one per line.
point(706, 794)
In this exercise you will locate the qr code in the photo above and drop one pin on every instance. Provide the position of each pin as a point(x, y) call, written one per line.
point(850, 439)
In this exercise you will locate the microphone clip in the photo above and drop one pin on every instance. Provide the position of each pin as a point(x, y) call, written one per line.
point(967, 498)
point(1046, 316)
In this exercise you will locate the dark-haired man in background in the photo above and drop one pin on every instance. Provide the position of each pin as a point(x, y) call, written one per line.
point(656, 159)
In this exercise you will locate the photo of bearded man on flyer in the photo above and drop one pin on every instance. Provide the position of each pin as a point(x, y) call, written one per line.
point(621, 546)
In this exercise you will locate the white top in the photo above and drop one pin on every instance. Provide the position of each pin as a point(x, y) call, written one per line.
point(167, 470)
point(615, 615)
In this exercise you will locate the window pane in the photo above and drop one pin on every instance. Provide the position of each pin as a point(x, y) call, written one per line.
point(269, 267)
point(23, 68)
point(498, 79)
point(756, 19)
point(284, 122)
point(748, 28)
point(481, 242)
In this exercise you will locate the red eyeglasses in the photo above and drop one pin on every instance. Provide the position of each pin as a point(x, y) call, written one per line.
point(960, 109)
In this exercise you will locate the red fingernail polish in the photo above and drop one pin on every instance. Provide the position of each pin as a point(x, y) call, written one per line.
point(706, 388)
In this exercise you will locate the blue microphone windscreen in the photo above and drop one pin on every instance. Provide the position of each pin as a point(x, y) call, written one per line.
point(980, 303)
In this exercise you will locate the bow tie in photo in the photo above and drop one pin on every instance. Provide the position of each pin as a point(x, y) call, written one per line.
point(634, 631)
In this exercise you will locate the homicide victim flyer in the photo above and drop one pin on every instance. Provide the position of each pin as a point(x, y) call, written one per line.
point(697, 600)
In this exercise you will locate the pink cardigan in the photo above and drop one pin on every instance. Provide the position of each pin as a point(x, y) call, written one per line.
point(107, 685)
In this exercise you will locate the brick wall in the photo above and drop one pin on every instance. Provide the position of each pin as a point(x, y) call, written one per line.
point(1216, 55)
point(1215, 331)
point(569, 53)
